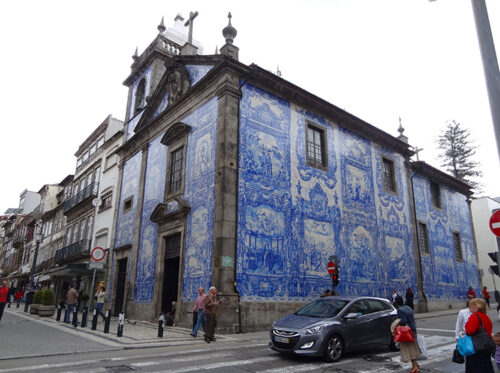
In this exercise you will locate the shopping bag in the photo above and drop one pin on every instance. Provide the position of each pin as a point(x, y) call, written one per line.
point(457, 358)
point(403, 334)
point(481, 339)
point(422, 345)
point(465, 346)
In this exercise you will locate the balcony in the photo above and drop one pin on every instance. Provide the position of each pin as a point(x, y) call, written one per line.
point(73, 252)
point(90, 191)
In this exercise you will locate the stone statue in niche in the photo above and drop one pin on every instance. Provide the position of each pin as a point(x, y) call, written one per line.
point(178, 81)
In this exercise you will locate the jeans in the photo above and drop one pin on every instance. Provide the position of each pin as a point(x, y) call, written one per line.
point(2, 307)
point(200, 321)
point(99, 309)
point(68, 314)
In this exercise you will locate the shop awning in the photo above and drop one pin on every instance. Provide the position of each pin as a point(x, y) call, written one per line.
point(68, 270)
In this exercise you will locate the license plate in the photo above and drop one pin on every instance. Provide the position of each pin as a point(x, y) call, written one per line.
point(281, 339)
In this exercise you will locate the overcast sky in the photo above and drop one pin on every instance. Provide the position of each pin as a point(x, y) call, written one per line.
point(64, 62)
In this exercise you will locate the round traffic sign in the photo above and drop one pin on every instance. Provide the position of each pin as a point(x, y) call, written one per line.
point(495, 223)
point(331, 268)
point(97, 254)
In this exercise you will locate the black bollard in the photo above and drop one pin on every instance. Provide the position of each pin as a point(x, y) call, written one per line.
point(59, 310)
point(121, 319)
point(107, 321)
point(75, 317)
point(94, 320)
point(84, 317)
point(160, 325)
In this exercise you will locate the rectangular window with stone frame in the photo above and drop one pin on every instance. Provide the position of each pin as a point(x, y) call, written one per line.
point(389, 176)
point(457, 245)
point(316, 146)
point(176, 170)
point(423, 238)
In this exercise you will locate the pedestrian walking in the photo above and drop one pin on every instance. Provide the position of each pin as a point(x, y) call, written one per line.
point(481, 360)
point(409, 298)
point(486, 296)
point(462, 318)
point(496, 339)
point(99, 295)
point(471, 294)
point(71, 303)
point(19, 296)
point(211, 313)
point(393, 296)
point(4, 292)
point(198, 307)
point(409, 350)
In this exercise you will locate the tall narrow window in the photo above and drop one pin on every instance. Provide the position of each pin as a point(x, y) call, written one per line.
point(423, 238)
point(436, 195)
point(139, 95)
point(389, 177)
point(176, 161)
point(458, 246)
point(316, 146)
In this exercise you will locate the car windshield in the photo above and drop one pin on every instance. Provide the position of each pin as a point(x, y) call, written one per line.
point(323, 308)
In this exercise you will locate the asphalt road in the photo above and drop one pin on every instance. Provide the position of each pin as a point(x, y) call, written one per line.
point(240, 354)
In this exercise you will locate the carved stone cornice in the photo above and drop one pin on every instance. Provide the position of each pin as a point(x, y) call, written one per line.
point(174, 208)
point(176, 132)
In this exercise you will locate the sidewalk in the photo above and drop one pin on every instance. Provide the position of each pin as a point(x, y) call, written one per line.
point(139, 334)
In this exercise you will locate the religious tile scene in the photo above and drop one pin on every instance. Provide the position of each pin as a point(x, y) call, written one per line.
point(225, 174)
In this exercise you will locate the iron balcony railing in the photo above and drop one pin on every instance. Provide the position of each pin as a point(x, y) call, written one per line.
point(87, 192)
point(74, 251)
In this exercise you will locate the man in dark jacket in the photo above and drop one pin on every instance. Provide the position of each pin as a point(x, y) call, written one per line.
point(211, 312)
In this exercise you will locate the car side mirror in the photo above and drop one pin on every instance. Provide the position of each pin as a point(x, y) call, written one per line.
point(351, 315)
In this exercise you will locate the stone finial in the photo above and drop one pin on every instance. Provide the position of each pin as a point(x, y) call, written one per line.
point(229, 32)
point(135, 57)
point(216, 50)
point(161, 26)
point(401, 130)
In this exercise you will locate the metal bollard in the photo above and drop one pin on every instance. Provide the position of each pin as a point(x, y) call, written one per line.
point(107, 321)
point(75, 317)
point(59, 310)
point(160, 325)
point(84, 316)
point(94, 320)
point(121, 319)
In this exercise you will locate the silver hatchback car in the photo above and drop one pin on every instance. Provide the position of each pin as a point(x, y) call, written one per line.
point(330, 326)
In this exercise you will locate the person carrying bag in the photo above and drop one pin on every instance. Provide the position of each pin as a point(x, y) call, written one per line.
point(479, 327)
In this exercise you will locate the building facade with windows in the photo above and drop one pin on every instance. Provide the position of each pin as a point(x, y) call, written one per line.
point(487, 242)
point(234, 177)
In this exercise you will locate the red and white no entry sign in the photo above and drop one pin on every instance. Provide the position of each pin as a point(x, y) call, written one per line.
point(495, 223)
point(97, 254)
point(331, 268)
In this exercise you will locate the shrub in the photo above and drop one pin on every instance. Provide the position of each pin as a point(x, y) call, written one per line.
point(37, 298)
point(47, 297)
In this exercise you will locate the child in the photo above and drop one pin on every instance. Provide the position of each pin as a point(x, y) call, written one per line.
point(496, 339)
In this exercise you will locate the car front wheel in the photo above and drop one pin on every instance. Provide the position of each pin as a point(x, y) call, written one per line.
point(334, 348)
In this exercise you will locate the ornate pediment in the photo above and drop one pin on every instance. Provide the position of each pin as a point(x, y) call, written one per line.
point(173, 208)
point(178, 81)
point(176, 132)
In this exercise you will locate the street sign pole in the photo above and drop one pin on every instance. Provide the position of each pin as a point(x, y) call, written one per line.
point(92, 291)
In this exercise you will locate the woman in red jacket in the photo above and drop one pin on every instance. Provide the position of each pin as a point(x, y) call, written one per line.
point(480, 361)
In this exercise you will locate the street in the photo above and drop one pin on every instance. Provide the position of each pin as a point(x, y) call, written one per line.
point(29, 344)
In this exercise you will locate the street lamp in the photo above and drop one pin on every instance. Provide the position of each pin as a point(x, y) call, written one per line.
point(39, 238)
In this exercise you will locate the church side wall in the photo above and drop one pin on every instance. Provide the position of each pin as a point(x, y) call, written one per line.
point(292, 216)
point(446, 279)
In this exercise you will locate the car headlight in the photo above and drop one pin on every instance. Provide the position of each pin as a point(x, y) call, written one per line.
point(315, 329)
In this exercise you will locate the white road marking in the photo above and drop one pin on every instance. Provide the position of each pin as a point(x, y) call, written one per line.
point(49, 366)
point(182, 359)
point(436, 330)
point(220, 365)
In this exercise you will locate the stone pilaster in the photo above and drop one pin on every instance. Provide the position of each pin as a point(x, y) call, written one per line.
point(129, 290)
point(226, 196)
point(422, 298)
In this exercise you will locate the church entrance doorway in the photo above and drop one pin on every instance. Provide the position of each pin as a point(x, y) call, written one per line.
point(171, 272)
point(121, 277)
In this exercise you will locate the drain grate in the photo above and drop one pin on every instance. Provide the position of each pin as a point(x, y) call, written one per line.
point(119, 369)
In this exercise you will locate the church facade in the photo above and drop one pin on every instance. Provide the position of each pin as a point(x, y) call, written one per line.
point(234, 177)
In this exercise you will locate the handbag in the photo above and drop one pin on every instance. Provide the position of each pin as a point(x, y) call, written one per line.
point(403, 334)
point(481, 339)
point(457, 357)
point(465, 346)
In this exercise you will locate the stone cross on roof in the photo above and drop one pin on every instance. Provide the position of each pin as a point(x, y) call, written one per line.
point(189, 22)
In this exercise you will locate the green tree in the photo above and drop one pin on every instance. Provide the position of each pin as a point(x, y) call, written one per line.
point(457, 153)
